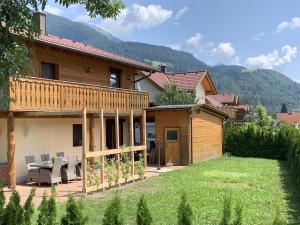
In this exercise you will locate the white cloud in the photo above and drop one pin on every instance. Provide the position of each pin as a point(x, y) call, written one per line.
point(273, 59)
point(292, 24)
point(225, 49)
point(258, 36)
point(53, 10)
point(137, 17)
point(181, 13)
point(175, 46)
point(195, 40)
point(84, 18)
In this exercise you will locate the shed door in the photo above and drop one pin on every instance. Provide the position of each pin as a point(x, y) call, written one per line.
point(172, 151)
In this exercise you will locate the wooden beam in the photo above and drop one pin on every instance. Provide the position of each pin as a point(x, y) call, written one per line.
point(92, 144)
point(117, 128)
point(102, 147)
point(84, 151)
point(11, 151)
point(144, 136)
point(131, 121)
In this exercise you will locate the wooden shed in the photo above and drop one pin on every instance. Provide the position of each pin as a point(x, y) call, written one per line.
point(186, 134)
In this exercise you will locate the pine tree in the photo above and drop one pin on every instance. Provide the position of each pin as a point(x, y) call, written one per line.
point(74, 214)
point(43, 211)
point(52, 208)
point(284, 108)
point(238, 214)
point(184, 211)
point(112, 214)
point(29, 208)
point(143, 215)
point(47, 210)
point(13, 212)
point(226, 210)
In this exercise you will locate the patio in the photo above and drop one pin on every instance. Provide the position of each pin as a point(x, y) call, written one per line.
point(64, 189)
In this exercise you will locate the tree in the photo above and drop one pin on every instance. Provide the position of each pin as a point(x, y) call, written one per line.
point(14, 211)
point(17, 17)
point(185, 213)
point(261, 116)
point(143, 215)
point(74, 214)
point(284, 108)
point(112, 214)
point(47, 210)
point(171, 95)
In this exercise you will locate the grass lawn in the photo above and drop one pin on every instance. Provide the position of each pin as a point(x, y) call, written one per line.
point(262, 185)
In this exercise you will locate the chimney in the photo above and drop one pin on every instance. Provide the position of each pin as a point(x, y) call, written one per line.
point(163, 68)
point(39, 19)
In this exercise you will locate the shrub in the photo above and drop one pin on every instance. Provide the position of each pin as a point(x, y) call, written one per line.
point(74, 214)
point(279, 220)
point(2, 204)
point(47, 210)
point(112, 171)
point(112, 214)
point(14, 211)
point(29, 208)
point(238, 214)
point(184, 211)
point(140, 166)
point(143, 215)
point(125, 164)
point(226, 218)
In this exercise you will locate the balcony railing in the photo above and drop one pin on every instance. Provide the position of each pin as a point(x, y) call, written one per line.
point(36, 94)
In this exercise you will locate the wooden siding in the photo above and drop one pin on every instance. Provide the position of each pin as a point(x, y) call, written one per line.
point(73, 66)
point(207, 136)
point(173, 119)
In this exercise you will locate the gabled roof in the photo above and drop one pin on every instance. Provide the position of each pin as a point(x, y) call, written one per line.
point(291, 118)
point(89, 50)
point(224, 98)
point(184, 80)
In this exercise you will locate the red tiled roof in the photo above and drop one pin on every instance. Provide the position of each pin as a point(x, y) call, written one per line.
point(244, 107)
point(185, 81)
point(84, 48)
point(224, 98)
point(290, 118)
point(211, 101)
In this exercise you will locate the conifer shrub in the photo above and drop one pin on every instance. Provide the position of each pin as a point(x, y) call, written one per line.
point(185, 213)
point(113, 212)
point(279, 220)
point(2, 205)
point(48, 210)
point(28, 208)
point(13, 211)
point(143, 215)
point(226, 217)
point(74, 213)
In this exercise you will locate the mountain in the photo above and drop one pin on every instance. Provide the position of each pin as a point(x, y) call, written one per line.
point(267, 87)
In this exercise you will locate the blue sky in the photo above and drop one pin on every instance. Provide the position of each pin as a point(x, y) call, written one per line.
point(252, 33)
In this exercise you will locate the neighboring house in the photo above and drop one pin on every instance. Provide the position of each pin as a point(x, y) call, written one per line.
point(46, 114)
point(292, 118)
point(199, 81)
point(229, 103)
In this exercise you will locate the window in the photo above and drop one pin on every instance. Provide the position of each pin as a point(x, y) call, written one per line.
point(48, 70)
point(77, 135)
point(172, 135)
point(115, 78)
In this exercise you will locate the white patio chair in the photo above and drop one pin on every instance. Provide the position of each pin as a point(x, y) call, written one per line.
point(54, 176)
point(32, 172)
point(69, 173)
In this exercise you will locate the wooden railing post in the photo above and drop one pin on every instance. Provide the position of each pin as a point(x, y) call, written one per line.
point(84, 150)
point(131, 141)
point(101, 119)
point(11, 150)
point(144, 136)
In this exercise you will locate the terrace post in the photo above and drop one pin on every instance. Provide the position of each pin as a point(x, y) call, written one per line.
point(131, 141)
point(11, 150)
point(117, 134)
point(144, 137)
point(102, 148)
point(84, 149)
point(92, 138)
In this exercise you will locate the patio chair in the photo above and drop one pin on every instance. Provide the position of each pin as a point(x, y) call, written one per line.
point(54, 176)
point(32, 172)
point(60, 154)
point(45, 157)
point(69, 173)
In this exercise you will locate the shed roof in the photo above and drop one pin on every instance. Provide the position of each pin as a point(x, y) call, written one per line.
point(189, 107)
point(291, 118)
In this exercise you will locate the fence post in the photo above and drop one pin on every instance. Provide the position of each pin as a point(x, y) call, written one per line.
point(84, 149)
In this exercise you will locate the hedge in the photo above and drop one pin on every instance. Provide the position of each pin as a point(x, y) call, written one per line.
point(250, 140)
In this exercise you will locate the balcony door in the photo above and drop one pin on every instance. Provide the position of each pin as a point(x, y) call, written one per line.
point(49, 71)
point(115, 78)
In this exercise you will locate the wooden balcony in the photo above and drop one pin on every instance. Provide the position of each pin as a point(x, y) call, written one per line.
point(36, 94)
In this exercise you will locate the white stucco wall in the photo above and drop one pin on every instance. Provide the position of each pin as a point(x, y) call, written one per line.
point(200, 93)
point(35, 136)
point(148, 86)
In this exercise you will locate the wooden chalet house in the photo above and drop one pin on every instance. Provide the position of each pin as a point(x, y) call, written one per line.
point(78, 100)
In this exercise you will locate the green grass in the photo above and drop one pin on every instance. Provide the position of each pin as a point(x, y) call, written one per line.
point(262, 185)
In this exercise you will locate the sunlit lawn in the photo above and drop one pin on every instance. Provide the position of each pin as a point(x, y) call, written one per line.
point(263, 186)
